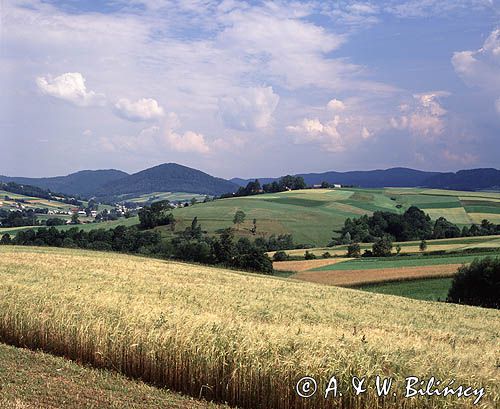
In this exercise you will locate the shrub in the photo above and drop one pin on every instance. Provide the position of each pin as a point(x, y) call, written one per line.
point(280, 256)
point(326, 255)
point(354, 250)
point(382, 247)
point(309, 256)
point(6, 239)
point(477, 284)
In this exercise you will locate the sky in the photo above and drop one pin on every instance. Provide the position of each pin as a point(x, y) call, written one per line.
point(248, 89)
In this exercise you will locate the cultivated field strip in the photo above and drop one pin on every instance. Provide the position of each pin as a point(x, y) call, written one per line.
point(351, 278)
point(240, 338)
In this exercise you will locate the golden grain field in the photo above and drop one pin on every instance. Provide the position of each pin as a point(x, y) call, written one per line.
point(241, 338)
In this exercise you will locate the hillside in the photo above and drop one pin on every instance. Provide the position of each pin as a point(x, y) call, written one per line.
point(242, 338)
point(473, 179)
point(83, 183)
point(169, 177)
point(312, 215)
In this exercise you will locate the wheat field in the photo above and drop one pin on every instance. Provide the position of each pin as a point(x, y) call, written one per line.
point(240, 338)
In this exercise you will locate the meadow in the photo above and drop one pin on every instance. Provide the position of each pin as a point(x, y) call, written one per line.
point(157, 196)
point(434, 289)
point(237, 337)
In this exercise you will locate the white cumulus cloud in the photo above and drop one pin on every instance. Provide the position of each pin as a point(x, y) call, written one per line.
point(144, 109)
point(251, 110)
point(481, 68)
point(188, 142)
point(425, 117)
point(336, 105)
point(70, 87)
point(325, 133)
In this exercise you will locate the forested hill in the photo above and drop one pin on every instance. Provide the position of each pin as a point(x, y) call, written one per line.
point(169, 177)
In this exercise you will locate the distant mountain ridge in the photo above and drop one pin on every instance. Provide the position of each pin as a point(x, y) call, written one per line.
point(83, 183)
point(108, 184)
point(471, 179)
point(172, 177)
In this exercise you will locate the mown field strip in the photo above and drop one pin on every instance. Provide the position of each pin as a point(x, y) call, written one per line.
point(36, 380)
point(240, 338)
point(369, 276)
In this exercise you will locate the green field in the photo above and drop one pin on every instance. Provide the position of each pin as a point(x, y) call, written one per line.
point(33, 380)
point(430, 289)
point(410, 261)
point(312, 215)
point(157, 196)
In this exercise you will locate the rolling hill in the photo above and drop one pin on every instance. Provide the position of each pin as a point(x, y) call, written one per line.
point(312, 215)
point(168, 177)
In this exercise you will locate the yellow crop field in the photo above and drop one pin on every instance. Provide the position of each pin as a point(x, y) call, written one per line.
point(242, 338)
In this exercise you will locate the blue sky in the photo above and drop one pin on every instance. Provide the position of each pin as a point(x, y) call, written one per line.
point(248, 88)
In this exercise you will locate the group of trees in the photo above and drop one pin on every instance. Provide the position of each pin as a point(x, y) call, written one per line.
point(287, 182)
point(158, 214)
point(413, 224)
point(120, 238)
point(18, 218)
point(193, 244)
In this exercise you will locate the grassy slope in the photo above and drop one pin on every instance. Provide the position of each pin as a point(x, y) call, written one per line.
point(34, 380)
point(395, 262)
point(268, 332)
point(172, 196)
point(312, 215)
point(433, 289)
